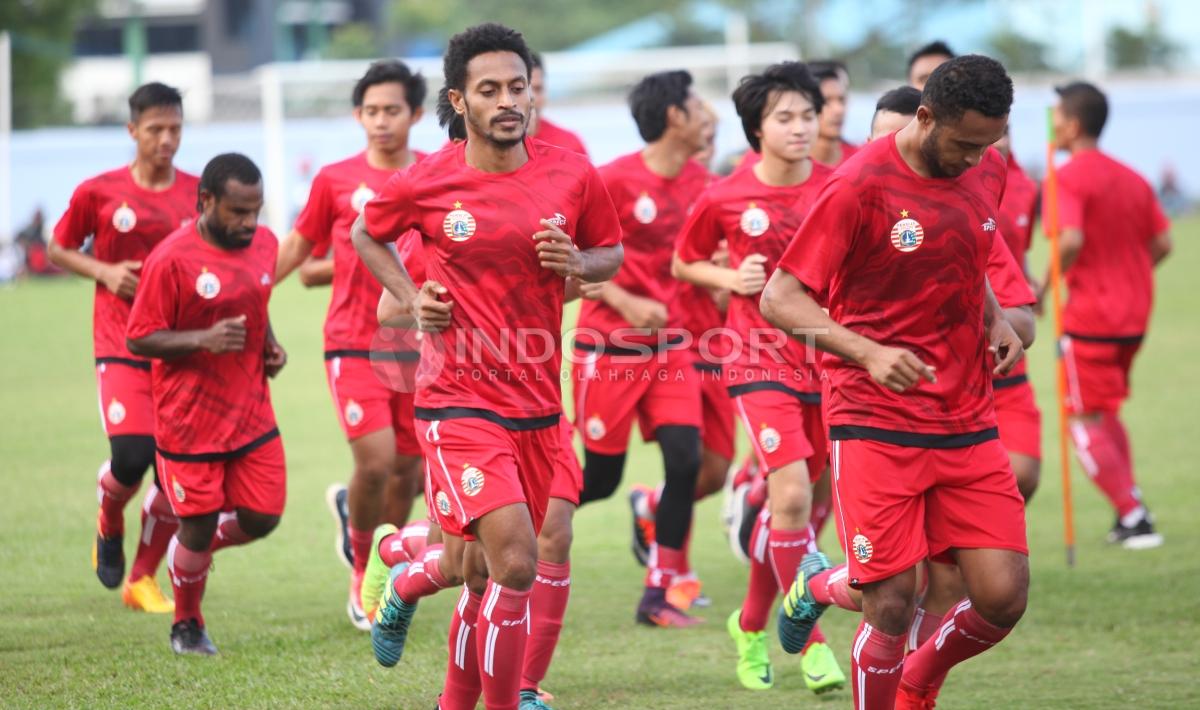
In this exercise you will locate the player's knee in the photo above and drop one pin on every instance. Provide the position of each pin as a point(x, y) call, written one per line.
point(1004, 600)
point(131, 457)
point(712, 474)
point(888, 608)
point(681, 451)
point(601, 475)
point(257, 525)
point(196, 532)
point(1029, 475)
point(554, 543)
point(514, 567)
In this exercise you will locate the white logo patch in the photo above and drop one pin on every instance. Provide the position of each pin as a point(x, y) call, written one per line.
point(472, 480)
point(116, 412)
point(769, 439)
point(595, 427)
point(354, 413)
point(862, 548)
point(443, 503)
point(124, 219)
point(178, 489)
point(558, 220)
point(989, 225)
point(755, 221)
point(361, 196)
point(907, 234)
point(208, 285)
point(459, 225)
point(644, 210)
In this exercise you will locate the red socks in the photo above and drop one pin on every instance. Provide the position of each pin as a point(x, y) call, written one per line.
point(830, 588)
point(875, 663)
point(923, 626)
point(547, 607)
point(463, 686)
point(229, 533)
point(360, 547)
point(113, 496)
point(1103, 449)
point(762, 587)
point(664, 566)
point(158, 528)
point(423, 577)
point(819, 516)
point(189, 572)
point(503, 627)
point(962, 635)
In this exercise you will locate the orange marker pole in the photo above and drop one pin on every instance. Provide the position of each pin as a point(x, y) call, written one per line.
point(1050, 222)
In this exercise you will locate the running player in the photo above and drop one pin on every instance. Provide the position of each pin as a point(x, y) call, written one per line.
point(496, 213)
point(376, 417)
point(201, 314)
point(922, 62)
point(1114, 233)
point(830, 147)
point(918, 468)
point(541, 127)
point(774, 382)
point(127, 212)
point(632, 360)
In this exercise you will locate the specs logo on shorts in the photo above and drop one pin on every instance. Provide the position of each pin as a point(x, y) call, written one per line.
point(207, 284)
point(354, 413)
point(472, 480)
point(769, 439)
point(124, 218)
point(907, 234)
point(862, 547)
point(443, 503)
point(178, 490)
point(595, 427)
point(116, 412)
point(755, 221)
point(644, 210)
point(459, 225)
point(989, 225)
point(361, 196)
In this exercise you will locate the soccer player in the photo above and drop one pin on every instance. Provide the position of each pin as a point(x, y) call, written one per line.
point(774, 382)
point(631, 357)
point(923, 61)
point(896, 247)
point(1114, 233)
point(498, 214)
point(541, 127)
point(830, 148)
point(376, 417)
point(127, 211)
point(201, 314)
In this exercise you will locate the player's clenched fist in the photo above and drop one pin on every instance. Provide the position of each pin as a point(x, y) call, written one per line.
point(433, 314)
point(556, 251)
point(751, 275)
point(897, 369)
point(274, 357)
point(1005, 346)
point(121, 278)
point(227, 335)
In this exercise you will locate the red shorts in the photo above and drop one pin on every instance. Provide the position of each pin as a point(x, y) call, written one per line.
point(474, 466)
point(898, 505)
point(568, 476)
point(774, 418)
point(717, 429)
point(1097, 373)
point(256, 480)
point(126, 405)
point(660, 389)
point(366, 404)
point(1019, 419)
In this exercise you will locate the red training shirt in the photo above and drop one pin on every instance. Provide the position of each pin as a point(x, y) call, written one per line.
point(1018, 210)
point(554, 134)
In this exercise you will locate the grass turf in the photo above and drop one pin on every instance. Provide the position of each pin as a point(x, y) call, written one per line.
point(1118, 630)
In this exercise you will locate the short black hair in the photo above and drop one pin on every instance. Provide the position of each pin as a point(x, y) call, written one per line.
point(481, 39)
point(825, 69)
point(971, 82)
point(387, 71)
point(753, 94)
point(903, 100)
point(538, 62)
point(151, 95)
point(936, 48)
point(1086, 102)
point(225, 167)
point(448, 118)
point(653, 95)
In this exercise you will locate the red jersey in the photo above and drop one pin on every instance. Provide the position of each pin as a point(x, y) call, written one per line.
point(335, 200)
point(502, 351)
point(752, 157)
point(652, 209)
point(848, 151)
point(756, 219)
point(126, 221)
point(902, 260)
point(557, 135)
point(1111, 283)
point(1010, 286)
point(206, 404)
point(1018, 210)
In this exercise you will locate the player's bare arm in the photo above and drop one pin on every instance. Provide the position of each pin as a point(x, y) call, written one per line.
point(225, 336)
point(557, 252)
point(1003, 342)
point(392, 313)
point(316, 272)
point(292, 253)
point(1070, 242)
point(274, 356)
point(388, 270)
point(121, 278)
point(748, 279)
point(1160, 247)
point(787, 304)
point(638, 311)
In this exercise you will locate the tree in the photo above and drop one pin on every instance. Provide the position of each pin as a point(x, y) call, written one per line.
point(1148, 48)
point(355, 40)
point(1017, 52)
point(42, 33)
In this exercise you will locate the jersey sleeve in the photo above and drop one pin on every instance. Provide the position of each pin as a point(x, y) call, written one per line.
point(1003, 272)
point(79, 221)
point(701, 233)
point(598, 224)
point(391, 213)
point(1070, 207)
point(156, 301)
point(820, 246)
point(315, 222)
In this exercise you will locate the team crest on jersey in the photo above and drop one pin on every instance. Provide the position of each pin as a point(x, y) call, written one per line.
point(769, 439)
point(124, 218)
point(595, 427)
point(644, 210)
point(989, 225)
point(354, 413)
point(443, 503)
point(472, 480)
point(862, 548)
point(116, 412)
point(361, 196)
point(755, 221)
point(907, 234)
point(207, 284)
point(178, 490)
point(459, 225)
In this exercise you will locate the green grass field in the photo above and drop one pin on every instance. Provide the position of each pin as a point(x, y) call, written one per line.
point(1117, 631)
